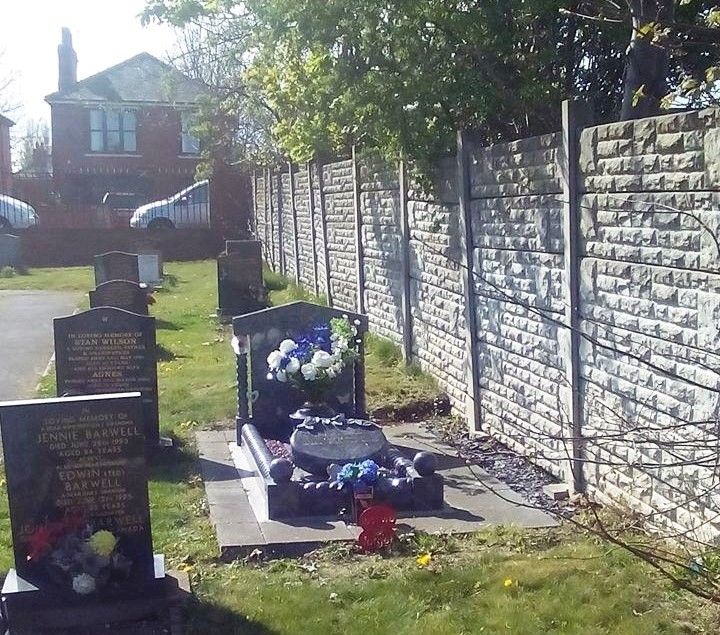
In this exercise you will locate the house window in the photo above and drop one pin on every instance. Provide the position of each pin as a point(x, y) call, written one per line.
point(190, 144)
point(113, 130)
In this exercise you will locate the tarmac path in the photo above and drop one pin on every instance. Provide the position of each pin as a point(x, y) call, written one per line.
point(26, 337)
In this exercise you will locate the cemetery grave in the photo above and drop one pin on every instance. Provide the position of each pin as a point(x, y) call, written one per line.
point(10, 251)
point(116, 265)
point(121, 294)
point(240, 285)
point(79, 513)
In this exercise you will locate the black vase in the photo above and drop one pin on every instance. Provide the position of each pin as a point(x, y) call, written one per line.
point(312, 409)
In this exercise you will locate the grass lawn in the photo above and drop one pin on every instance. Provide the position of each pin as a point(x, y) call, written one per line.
point(498, 581)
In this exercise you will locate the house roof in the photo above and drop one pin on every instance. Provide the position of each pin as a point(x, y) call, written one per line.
point(4, 121)
point(143, 79)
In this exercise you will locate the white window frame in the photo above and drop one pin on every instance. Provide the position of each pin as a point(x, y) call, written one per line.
point(189, 143)
point(113, 130)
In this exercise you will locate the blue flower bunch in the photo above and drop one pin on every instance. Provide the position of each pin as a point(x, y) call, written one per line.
point(313, 361)
point(365, 473)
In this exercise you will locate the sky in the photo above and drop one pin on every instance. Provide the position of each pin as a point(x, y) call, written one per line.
point(105, 32)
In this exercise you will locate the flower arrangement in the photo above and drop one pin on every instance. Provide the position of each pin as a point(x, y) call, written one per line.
point(86, 559)
point(364, 474)
point(312, 363)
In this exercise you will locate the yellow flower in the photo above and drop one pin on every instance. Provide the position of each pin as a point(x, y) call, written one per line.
point(508, 582)
point(423, 560)
point(103, 542)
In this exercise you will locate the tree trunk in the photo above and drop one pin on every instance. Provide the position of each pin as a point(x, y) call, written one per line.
point(646, 64)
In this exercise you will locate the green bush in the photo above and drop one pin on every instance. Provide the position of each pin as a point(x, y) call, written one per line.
point(7, 272)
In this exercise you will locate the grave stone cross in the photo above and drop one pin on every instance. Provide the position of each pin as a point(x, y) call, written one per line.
point(116, 265)
point(78, 498)
point(121, 294)
point(109, 350)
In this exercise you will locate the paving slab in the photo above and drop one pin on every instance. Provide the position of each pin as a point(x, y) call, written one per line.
point(238, 509)
point(26, 337)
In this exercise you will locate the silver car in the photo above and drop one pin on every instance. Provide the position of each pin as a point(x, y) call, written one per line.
point(15, 214)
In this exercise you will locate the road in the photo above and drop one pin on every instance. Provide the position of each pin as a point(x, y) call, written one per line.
point(26, 337)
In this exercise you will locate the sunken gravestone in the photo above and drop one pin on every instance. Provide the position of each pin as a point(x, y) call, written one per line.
point(116, 265)
point(108, 350)
point(121, 294)
point(79, 513)
point(9, 251)
point(240, 281)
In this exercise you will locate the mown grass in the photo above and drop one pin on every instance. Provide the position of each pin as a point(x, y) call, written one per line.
point(559, 581)
point(68, 279)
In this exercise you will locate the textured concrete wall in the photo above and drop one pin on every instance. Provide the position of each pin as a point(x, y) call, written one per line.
point(651, 289)
point(306, 248)
point(649, 297)
point(381, 239)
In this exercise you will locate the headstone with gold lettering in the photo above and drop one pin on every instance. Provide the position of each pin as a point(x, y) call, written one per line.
point(109, 350)
point(78, 500)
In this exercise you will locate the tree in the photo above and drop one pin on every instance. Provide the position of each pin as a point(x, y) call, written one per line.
point(402, 76)
point(35, 147)
point(8, 100)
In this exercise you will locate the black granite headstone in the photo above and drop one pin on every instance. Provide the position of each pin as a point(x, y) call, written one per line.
point(9, 250)
point(121, 294)
point(251, 248)
point(78, 497)
point(268, 403)
point(116, 265)
point(240, 281)
point(108, 350)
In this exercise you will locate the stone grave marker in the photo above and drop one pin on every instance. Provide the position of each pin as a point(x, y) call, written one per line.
point(240, 281)
point(109, 350)
point(251, 248)
point(116, 265)
point(9, 251)
point(78, 499)
point(121, 294)
point(150, 268)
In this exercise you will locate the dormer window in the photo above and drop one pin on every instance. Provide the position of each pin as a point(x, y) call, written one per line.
point(113, 130)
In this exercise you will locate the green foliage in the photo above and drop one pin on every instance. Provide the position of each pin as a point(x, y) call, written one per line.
point(7, 272)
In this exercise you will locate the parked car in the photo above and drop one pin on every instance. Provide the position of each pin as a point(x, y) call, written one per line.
point(188, 208)
point(122, 201)
point(15, 214)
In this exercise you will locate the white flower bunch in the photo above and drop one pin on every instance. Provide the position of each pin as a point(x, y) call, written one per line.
point(316, 358)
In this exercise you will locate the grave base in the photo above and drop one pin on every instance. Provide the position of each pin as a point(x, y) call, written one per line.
point(29, 611)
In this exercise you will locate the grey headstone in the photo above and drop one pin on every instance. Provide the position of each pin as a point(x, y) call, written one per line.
point(74, 467)
point(9, 250)
point(116, 265)
point(122, 294)
point(109, 350)
point(150, 268)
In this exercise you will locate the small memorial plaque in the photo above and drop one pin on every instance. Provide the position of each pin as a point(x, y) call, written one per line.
point(78, 496)
point(116, 265)
point(122, 294)
point(9, 250)
point(108, 350)
point(240, 281)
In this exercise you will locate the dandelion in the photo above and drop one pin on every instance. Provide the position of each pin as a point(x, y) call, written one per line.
point(423, 560)
point(508, 582)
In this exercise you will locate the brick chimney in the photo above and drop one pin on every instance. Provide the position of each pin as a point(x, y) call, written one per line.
point(67, 62)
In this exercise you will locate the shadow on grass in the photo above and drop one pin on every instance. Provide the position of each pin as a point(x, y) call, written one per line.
point(163, 354)
point(169, 281)
point(165, 325)
point(174, 464)
point(205, 617)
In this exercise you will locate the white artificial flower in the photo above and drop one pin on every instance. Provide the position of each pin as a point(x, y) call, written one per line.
point(287, 346)
point(309, 371)
point(83, 583)
point(293, 366)
point(281, 376)
point(332, 372)
point(274, 360)
point(269, 376)
point(321, 359)
point(237, 348)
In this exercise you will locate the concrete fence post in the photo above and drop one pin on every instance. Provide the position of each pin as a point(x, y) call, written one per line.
point(471, 368)
point(313, 236)
point(324, 230)
point(357, 205)
point(407, 325)
point(293, 213)
point(271, 213)
point(575, 116)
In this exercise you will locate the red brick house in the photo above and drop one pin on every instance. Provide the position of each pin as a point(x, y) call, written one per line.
point(125, 129)
point(5, 158)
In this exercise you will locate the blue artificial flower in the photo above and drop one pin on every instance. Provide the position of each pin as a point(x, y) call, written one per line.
point(365, 473)
point(304, 349)
point(368, 472)
point(321, 333)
